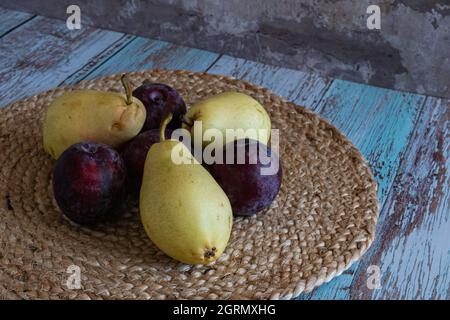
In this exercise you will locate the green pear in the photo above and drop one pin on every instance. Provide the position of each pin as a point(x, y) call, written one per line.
point(229, 110)
point(183, 210)
point(88, 115)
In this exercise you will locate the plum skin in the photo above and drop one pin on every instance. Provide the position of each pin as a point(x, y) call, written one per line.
point(89, 183)
point(158, 100)
point(249, 191)
point(134, 154)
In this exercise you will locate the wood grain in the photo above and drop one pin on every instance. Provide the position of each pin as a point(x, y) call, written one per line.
point(303, 88)
point(380, 123)
point(43, 52)
point(10, 19)
point(142, 53)
point(98, 60)
point(413, 250)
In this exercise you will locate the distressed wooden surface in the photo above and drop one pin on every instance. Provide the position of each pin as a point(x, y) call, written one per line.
point(305, 89)
point(413, 250)
point(41, 53)
point(380, 123)
point(10, 19)
point(404, 137)
point(142, 53)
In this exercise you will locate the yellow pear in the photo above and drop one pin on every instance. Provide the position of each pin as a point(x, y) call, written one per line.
point(88, 115)
point(184, 211)
point(229, 110)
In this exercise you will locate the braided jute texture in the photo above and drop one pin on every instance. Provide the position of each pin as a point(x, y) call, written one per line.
point(322, 220)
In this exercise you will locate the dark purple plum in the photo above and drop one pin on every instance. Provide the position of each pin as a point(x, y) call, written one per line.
point(160, 99)
point(89, 183)
point(249, 189)
point(134, 154)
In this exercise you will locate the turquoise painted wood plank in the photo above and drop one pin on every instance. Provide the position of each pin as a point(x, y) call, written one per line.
point(10, 19)
point(143, 53)
point(377, 120)
point(303, 88)
point(380, 123)
point(43, 52)
point(98, 60)
point(413, 253)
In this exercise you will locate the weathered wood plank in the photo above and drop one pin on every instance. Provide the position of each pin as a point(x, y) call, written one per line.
point(303, 88)
point(380, 123)
point(413, 251)
point(142, 53)
point(42, 53)
point(10, 19)
point(98, 60)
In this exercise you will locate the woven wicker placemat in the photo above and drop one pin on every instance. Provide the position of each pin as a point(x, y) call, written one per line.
point(321, 222)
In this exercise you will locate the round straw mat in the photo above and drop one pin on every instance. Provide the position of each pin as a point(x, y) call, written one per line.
point(322, 220)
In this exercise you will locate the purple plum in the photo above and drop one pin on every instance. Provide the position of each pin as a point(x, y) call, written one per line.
point(89, 183)
point(249, 189)
point(134, 154)
point(160, 99)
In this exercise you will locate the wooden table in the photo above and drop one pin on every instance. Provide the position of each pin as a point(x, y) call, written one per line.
point(405, 137)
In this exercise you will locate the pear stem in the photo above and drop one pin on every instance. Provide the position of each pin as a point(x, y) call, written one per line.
point(127, 86)
point(187, 121)
point(162, 127)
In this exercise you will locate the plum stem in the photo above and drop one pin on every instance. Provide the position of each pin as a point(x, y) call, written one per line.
point(127, 86)
point(162, 127)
